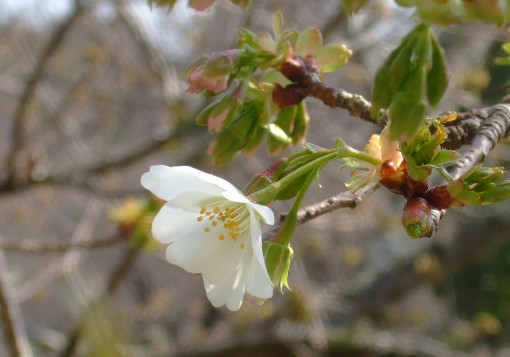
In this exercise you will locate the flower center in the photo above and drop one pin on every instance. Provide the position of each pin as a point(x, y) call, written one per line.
point(225, 220)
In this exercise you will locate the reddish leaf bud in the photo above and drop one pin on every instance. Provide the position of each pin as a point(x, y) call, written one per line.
point(416, 188)
point(288, 96)
point(416, 217)
point(439, 197)
point(294, 68)
point(392, 177)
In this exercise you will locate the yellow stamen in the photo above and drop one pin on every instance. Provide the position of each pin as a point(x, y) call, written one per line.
point(222, 237)
point(200, 218)
point(207, 229)
point(214, 223)
point(242, 246)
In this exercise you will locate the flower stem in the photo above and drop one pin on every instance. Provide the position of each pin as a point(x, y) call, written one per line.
point(268, 193)
point(289, 225)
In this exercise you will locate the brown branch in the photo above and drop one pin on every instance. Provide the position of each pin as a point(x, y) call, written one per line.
point(10, 313)
point(342, 200)
point(494, 128)
point(33, 246)
point(21, 110)
point(355, 104)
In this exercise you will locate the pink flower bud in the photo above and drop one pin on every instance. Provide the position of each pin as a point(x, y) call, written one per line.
point(416, 217)
point(211, 72)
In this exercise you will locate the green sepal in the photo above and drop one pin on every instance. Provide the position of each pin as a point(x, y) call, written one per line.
point(278, 257)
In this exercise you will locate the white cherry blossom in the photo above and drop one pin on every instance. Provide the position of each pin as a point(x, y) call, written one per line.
point(213, 229)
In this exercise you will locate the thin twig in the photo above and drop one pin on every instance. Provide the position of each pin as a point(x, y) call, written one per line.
point(34, 246)
point(355, 104)
point(342, 200)
point(14, 328)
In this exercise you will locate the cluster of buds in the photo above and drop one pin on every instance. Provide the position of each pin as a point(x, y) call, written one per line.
point(265, 96)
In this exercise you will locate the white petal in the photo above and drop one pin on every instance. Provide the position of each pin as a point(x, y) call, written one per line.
point(217, 259)
point(168, 182)
point(215, 180)
point(256, 238)
point(258, 283)
point(231, 292)
point(264, 212)
point(171, 224)
point(181, 252)
point(236, 196)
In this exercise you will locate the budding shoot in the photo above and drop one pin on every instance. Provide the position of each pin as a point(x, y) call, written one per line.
point(416, 216)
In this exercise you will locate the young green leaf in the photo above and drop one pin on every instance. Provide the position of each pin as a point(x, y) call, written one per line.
point(437, 79)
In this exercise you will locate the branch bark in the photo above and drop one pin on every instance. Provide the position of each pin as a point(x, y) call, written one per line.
point(13, 325)
point(493, 128)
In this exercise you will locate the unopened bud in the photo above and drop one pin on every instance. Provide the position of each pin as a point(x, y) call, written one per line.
point(278, 257)
point(439, 197)
point(416, 217)
point(288, 96)
point(265, 178)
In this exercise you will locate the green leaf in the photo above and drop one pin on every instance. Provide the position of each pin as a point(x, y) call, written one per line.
point(437, 79)
point(279, 134)
point(444, 156)
point(274, 76)
point(400, 67)
point(280, 129)
point(314, 148)
point(232, 138)
point(469, 198)
point(277, 25)
point(309, 42)
point(300, 126)
point(254, 139)
point(406, 117)
point(498, 193)
point(332, 57)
